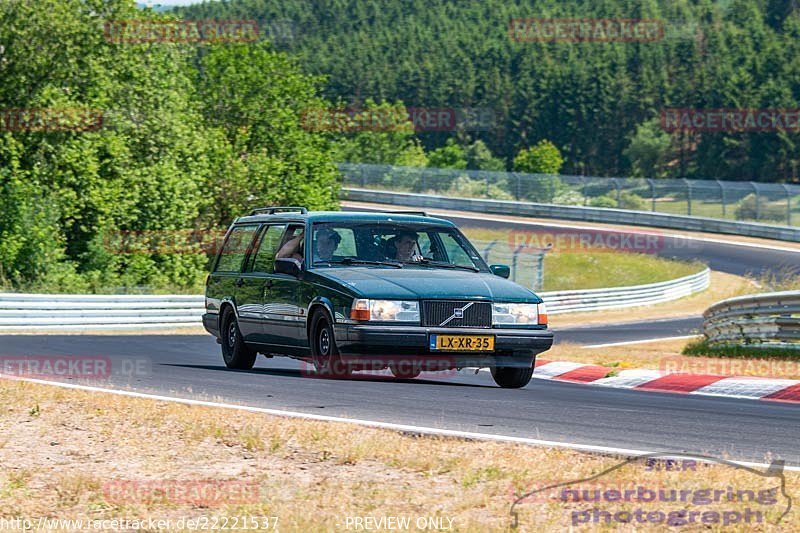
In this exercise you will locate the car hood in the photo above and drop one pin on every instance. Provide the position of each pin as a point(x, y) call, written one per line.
point(427, 283)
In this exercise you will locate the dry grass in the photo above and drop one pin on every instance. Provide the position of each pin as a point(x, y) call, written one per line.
point(312, 475)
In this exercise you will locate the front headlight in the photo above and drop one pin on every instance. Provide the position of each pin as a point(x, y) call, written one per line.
point(385, 310)
point(516, 314)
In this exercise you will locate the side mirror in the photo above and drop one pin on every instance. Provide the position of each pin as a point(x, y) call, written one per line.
point(500, 270)
point(288, 265)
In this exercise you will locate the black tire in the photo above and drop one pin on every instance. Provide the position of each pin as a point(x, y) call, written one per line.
point(405, 370)
point(510, 377)
point(323, 349)
point(235, 352)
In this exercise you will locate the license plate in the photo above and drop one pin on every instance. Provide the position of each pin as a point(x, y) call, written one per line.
point(462, 343)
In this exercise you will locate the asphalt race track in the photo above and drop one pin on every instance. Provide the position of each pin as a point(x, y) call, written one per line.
point(629, 331)
point(191, 367)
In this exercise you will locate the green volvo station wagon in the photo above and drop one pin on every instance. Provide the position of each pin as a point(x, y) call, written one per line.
point(349, 291)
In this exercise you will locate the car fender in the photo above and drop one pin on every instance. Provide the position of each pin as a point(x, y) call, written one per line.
point(223, 302)
point(319, 301)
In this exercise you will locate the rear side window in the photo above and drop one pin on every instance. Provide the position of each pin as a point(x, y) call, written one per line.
point(265, 256)
point(233, 253)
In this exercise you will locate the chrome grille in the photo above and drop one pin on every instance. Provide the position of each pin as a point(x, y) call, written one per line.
point(474, 314)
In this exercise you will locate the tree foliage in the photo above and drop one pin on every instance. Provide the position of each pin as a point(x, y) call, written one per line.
point(591, 99)
point(192, 135)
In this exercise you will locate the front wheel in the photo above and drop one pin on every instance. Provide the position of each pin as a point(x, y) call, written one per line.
point(235, 352)
point(512, 377)
point(323, 349)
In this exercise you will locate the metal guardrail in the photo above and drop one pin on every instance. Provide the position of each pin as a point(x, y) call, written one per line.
point(571, 212)
point(70, 312)
point(760, 320)
point(772, 203)
point(621, 297)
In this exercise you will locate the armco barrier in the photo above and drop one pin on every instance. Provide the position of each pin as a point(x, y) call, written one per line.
point(761, 320)
point(57, 311)
point(572, 212)
point(622, 297)
point(67, 311)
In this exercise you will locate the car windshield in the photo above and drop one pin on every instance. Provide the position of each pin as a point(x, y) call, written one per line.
point(393, 245)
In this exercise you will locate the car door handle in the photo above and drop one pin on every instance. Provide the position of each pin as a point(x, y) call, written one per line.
point(239, 282)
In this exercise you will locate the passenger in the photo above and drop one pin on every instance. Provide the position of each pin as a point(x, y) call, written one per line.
point(293, 248)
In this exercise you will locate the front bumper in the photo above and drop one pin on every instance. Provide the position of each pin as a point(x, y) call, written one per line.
point(374, 343)
point(211, 323)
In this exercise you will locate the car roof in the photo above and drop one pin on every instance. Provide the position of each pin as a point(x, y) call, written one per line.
point(343, 216)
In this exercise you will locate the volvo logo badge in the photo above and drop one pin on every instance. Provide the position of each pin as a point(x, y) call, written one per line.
point(457, 313)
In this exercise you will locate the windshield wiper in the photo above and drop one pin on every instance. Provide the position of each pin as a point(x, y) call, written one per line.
point(352, 261)
point(431, 262)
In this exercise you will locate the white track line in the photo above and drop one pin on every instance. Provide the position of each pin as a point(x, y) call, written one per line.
point(375, 424)
point(639, 342)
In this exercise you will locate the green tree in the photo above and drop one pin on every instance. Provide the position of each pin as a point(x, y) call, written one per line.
point(451, 155)
point(649, 150)
point(542, 158)
point(379, 133)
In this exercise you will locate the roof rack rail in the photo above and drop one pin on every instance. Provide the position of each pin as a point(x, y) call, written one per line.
point(274, 209)
point(421, 213)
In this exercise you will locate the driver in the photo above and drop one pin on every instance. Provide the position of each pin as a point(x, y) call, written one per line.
point(327, 241)
point(406, 242)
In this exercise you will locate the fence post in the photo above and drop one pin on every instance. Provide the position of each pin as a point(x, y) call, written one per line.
point(788, 205)
point(519, 186)
point(488, 249)
point(758, 200)
point(539, 272)
point(652, 194)
point(688, 197)
point(619, 190)
point(722, 196)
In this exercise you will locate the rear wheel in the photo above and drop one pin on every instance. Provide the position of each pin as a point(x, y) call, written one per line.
point(405, 370)
point(235, 352)
point(512, 377)
point(323, 348)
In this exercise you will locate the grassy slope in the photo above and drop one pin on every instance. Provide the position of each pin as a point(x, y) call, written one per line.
point(312, 475)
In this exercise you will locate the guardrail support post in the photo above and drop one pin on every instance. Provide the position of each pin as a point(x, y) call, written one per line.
point(652, 194)
point(722, 196)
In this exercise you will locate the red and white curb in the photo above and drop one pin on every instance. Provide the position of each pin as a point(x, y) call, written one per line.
point(750, 388)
